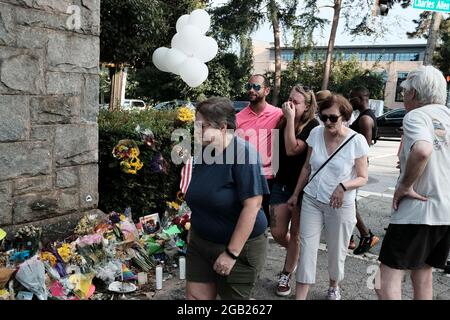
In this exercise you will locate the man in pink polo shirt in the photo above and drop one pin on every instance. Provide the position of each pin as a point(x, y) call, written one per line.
point(255, 124)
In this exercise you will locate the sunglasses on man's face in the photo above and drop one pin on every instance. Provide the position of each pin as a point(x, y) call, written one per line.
point(333, 118)
point(255, 86)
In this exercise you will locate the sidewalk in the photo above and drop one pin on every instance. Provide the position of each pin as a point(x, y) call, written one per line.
point(359, 269)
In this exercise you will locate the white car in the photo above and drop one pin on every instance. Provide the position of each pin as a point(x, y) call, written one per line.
point(133, 105)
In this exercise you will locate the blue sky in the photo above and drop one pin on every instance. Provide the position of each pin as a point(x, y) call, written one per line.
point(399, 21)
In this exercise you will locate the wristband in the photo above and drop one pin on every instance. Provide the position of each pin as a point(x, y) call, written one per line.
point(228, 252)
point(343, 187)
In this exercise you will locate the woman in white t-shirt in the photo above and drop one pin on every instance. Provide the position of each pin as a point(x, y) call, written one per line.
point(329, 196)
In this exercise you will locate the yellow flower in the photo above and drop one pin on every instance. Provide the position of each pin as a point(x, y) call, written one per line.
point(65, 252)
point(48, 256)
point(185, 114)
point(173, 205)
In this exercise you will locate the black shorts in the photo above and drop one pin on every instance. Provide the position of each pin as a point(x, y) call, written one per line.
point(414, 246)
point(280, 194)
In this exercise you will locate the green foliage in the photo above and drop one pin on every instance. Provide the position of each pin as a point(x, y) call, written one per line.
point(442, 58)
point(227, 75)
point(345, 75)
point(133, 29)
point(147, 191)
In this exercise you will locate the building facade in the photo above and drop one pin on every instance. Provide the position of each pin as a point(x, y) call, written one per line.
point(393, 61)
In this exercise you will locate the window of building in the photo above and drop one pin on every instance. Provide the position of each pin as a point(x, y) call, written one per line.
point(407, 56)
point(401, 76)
point(287, 55)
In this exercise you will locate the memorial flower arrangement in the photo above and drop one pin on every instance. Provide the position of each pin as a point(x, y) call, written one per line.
point(186, 114)
point(128, 152)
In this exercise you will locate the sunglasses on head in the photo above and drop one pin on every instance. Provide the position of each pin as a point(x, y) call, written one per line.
point(305, 88)
point(333, 118)
point(255, 86)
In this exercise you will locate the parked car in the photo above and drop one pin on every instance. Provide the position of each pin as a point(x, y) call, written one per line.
point(170, 105)
point(239, 105)
point(390, 123)
point(133, 105)
point(173, 104)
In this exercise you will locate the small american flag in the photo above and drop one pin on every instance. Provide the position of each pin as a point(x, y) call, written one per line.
point(186, 175)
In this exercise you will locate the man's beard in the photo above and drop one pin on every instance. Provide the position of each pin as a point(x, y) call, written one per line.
point(256, 99)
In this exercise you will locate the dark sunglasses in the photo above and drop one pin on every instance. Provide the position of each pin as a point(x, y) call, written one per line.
point(305, 88)
point(255, 86)
point(333, 118)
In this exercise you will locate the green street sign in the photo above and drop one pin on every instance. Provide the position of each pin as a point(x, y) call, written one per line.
point(432, 5)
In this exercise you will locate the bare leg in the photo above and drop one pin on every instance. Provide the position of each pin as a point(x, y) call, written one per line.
point(301, 291)
point(293, 249)
point(422, 280)
point(363, 231)
point(390, 283)
point(201, 291)
point(280, 215)
point(334, 284)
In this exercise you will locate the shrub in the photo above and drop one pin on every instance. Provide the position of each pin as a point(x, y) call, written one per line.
point(147, 191)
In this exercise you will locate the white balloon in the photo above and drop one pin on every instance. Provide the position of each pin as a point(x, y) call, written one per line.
point(193, 72)
point(188, 40)
point(174, 58)
point(182, 22)
point(207, 49)
point(176, 41)
point(201, 19)
point(159, 59)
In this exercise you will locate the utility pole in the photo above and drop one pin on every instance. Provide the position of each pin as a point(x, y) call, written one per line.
point(433, 35)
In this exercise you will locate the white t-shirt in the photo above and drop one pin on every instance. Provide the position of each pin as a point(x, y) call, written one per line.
point(430, 123)
point(340, 169)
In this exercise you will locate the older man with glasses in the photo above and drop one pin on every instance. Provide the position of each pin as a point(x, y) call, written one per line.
point(255, 124)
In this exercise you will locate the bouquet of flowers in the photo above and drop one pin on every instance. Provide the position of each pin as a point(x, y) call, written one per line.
point(90, 247)
point(186, 114)
point(128, 152)
point(28, 238)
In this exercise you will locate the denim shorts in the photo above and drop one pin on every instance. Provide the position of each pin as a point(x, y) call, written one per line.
point(280, 194)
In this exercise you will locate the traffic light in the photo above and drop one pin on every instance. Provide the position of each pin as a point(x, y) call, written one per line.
point(381, 7)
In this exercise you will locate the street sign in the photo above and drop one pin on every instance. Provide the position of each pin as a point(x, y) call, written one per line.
point(432, 5)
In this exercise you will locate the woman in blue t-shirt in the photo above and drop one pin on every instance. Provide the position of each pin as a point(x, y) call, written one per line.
point(227, 241)
point(298, 121)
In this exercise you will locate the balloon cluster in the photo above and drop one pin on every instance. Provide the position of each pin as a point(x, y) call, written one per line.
point(191, 49)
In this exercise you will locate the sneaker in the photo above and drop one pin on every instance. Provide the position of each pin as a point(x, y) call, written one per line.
point(352, 244)
point(284, 289)
point(366, 243)
point(334, 294)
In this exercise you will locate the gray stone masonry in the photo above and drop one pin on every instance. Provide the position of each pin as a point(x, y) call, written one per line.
point(49, 77)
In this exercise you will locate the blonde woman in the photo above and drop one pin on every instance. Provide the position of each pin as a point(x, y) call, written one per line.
point(298, 121)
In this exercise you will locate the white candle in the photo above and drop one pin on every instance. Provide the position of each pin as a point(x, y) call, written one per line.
point(182, 264)
point(159, 277)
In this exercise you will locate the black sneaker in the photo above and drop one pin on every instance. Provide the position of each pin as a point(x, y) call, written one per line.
point(366, 243)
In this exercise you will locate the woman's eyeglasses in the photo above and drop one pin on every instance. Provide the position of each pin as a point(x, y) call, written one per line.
point(255, 86)
point(333, 118)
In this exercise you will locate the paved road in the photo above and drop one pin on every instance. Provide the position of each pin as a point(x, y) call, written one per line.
point(374, 203)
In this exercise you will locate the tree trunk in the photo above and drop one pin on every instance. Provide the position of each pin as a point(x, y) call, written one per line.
point(116, 75)
point(326, 74)
point(276, 37)
point(433, 35)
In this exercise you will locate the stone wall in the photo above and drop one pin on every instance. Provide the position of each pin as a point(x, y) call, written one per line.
point(48, 111)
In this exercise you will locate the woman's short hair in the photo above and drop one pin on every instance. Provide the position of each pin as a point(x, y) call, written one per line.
point(429, 84)
point(218, 111)
point(345, 108)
